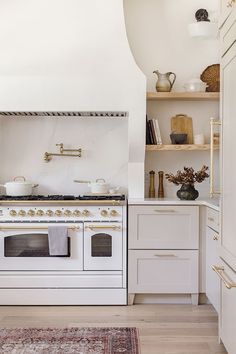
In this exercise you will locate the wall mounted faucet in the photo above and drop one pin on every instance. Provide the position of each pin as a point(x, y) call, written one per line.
point(63, 152)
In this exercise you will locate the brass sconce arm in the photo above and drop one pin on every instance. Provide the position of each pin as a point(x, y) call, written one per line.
point(72, 153)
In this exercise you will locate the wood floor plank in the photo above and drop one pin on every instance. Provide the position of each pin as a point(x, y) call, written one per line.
point(163, 329)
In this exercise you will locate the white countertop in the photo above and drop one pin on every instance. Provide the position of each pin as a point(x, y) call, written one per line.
point(211, 203)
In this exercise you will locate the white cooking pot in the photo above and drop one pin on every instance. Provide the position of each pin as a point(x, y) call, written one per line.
point(98, 187)
point(19, 187)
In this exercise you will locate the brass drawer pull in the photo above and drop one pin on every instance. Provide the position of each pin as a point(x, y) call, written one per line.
point(73, 228)
point(165, 211)
point(220, 271)
point(166, 255)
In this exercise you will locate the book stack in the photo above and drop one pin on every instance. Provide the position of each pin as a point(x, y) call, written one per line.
point(153, 134)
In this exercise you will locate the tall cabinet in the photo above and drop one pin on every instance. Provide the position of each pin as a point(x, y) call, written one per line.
point(226, 270)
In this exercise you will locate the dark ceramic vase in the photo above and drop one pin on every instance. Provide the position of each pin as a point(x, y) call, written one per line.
point(187, 192)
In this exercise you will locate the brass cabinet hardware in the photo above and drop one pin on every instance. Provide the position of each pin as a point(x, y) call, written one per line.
point(210, 219)
point(231, 3)
point(220, 272)
point(213, 122)
point(165, 211)
point(99, 227)
point(69, 152)
point(166, 255)
point(215, 238)
point(73, 228)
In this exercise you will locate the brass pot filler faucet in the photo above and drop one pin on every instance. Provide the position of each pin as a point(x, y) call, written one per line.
point(63, 152)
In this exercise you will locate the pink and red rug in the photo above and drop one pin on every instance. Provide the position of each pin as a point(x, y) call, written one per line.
point(69, 341)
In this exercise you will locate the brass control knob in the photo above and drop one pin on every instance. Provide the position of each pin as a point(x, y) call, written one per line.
point(114, 213)
point(31, 212)
point(13, 212)
point(40, 212)
point(76, 213)
point(67, 212)
point(104, 212)
point(58, 213)
point(85, 212)
point(49, 212)
point(22, 212)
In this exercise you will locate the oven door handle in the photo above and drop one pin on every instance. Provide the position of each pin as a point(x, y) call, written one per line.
point(99, 227)
point(73, 228)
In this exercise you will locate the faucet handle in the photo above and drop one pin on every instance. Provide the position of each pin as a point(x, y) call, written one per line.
point(61, 145)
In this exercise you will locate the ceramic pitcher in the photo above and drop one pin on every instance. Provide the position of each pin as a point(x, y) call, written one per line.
point(164, 84)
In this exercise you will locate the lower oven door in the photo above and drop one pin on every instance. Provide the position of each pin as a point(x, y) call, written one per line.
point(25, 247)
point(103, 245)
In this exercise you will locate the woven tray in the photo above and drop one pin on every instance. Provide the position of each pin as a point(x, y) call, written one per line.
point(211, 76)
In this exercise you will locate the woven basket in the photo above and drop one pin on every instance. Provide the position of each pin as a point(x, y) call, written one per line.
point(211, 76)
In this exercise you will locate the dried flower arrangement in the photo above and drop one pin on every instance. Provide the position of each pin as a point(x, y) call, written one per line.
point(188, 176)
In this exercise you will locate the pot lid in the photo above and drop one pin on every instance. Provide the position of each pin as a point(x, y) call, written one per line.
point(20, 180)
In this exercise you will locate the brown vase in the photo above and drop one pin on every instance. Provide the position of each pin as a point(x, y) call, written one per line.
point(161, 185)
point(152, 192)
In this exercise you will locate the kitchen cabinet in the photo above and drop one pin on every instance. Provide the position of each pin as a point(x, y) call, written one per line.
point(226, 7)
point(228, 224)
point(228, 304)
point(212, 258)
point(163, 250)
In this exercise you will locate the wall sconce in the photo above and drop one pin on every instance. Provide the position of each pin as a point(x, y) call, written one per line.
point(203, 28)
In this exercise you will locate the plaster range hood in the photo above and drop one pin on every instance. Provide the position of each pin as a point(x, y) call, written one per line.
point(72, 58)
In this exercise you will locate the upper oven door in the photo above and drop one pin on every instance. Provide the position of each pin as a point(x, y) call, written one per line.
point(25, 247)
point(103, 244)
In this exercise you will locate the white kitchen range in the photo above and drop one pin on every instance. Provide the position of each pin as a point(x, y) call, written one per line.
point(93, 268)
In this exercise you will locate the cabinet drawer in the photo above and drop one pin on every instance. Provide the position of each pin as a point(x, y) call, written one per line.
point(213, 219)
point(163, 227)
point(163, 271)
point(228, 310)
point(228, 33)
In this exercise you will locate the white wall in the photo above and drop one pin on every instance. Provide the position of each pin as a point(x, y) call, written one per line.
point(157, 32)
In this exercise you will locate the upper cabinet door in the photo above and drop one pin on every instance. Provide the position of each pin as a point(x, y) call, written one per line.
point(226, 6)
point(228, 224)
point(163, 227)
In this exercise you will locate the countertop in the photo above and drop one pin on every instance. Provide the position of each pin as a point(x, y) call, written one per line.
point(211, 203)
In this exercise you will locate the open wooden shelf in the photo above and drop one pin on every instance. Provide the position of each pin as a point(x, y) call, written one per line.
point(184, 147)
point(183, 96)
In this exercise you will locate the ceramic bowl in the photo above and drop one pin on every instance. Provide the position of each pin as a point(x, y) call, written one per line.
point(178, 138)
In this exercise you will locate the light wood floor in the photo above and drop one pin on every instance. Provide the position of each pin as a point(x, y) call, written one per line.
point(163, 329)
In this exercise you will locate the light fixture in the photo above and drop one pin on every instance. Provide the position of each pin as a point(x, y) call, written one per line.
point(203, 28)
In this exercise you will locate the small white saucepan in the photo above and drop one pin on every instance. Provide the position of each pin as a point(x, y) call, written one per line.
point(19, 187)
point(98, 187)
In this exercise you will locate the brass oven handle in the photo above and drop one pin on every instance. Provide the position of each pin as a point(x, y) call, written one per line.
point(112, 227)
point(165, 211)
point(73, 228)
point(219, 271)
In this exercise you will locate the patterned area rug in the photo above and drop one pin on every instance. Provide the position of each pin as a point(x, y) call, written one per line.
point(69, 341)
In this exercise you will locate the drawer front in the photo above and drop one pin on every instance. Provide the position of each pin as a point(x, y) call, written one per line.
point(228, 33)
point(213, 217)
point(212, 258)
point(228, 310)
point(163, 227)
point(163, 271)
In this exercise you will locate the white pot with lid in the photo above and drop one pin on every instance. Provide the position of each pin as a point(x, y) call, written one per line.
point(100, 186)
point(19, 187)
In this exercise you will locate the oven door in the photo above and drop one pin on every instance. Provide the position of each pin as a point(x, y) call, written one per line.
point(103, 244)
point(25, 247)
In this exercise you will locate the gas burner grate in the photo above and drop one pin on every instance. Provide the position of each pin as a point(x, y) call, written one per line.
point(103, 114)
point(62, 197)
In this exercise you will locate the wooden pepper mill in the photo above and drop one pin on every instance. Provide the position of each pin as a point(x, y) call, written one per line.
point(161, 186)
point(152, 184)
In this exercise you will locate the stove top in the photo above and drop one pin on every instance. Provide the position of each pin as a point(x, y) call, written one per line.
point(63, 197)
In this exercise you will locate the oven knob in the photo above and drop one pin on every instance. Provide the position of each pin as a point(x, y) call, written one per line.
point(67, 212)
point(49, 213)
point(31, 212)
point(40, 212)
point(13, 212)
point(114, 213)
point(22, 213)
point(76, 213)
point(85, 212)
point(104, 212)
point(58, 213)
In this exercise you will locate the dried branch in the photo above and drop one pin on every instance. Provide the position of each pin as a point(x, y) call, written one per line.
point(188, 176)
